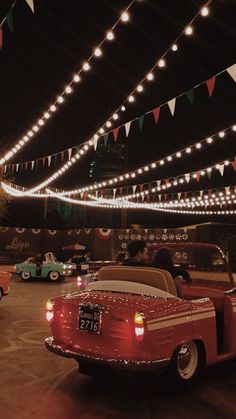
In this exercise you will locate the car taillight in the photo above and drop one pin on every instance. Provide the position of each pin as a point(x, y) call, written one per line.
point(49, 310)
point(139, 326)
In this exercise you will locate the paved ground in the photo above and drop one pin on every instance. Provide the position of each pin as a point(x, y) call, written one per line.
point(37, 384)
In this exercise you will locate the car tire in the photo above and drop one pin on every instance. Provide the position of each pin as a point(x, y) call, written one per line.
point(186, 362)
point(54, 275)
point(25, 275)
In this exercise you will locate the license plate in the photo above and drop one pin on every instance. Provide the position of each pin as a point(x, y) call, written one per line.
point(90, 318)
point(84, 267)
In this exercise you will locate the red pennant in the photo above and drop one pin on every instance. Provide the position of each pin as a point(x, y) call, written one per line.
point(209, 192)
point(115, 133)
point(43, 161)
point(165, 196)
point(62, 155)
point(156, 113)
point(234, 164)
point(167, 181)
point(210, 85)
point(141, 187)
point(198, 175)
point(26, 165)
point(1, 38)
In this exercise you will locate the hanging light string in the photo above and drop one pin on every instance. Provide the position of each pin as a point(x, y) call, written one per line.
point(97, 52)
point(97, 136)
point(186, 151)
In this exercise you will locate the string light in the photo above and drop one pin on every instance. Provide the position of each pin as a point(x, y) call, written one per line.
point(189, 30)
point(60, 99)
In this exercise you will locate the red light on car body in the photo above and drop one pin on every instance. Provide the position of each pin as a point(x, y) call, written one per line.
point(139, 326)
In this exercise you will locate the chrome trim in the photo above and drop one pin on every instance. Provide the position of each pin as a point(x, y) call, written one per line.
point(67, 351)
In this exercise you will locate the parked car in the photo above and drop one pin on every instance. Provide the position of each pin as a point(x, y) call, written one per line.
point(49, 268)
point(133, 319)
point(5, 278)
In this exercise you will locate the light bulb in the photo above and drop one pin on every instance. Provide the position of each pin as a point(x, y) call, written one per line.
point(86, 66)
point(60, 99)
point(115, 116)
point(76, 78)
point(139, 88)
point(124, 17)
point(131, 98)
point(161, 63)
point(189, 30)
point(150, 76)
point(68, 89)
point(205, 11)
point(123, 108)
point(110, 36)
point(174, 47)
point(97, 52)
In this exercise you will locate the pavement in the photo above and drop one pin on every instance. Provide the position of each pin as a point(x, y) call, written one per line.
point(35, 383)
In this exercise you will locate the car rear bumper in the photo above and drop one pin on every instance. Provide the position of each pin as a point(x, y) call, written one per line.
point(67, 351)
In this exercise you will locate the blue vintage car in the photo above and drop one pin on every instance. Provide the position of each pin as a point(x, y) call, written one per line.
point(49, 268)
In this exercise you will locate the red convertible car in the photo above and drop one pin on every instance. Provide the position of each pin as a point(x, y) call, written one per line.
point(134, 318)
point(4, 283)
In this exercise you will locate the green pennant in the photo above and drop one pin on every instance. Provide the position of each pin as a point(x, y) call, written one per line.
point(10, 20)
point(105, 139)
point(55, 159)
point(140, 122)
point(190, 94)
point(209, 174)
point(36, 164)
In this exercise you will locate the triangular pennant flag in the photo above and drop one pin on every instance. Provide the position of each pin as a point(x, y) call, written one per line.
point(232, 71)
point(134, 188)
point(156, 114)
point(190, 94)
point(179, 195)
point(115, 133)
point(141, 186)
point(105, 139)
point(69, 153)
point(234, 164)
point(198, 175)
point(201, 193)
point(140, 122)
point(159, 197)
point(210, 85)
point(221, 168)
point(209, 174)
point(209, 192)
point(158, 182)
point(127, 128)
point(43, 160)
point(95, 143)
point(62, 155)
point(36, 164)
point(26, 165)
point(55, 158)
point(1, 38)
point(32, 164)
point(171, 105)
point(187, 177)
point(49, 160)
point(227, 190)
point(10, 20)
point(17, 167)
point(114, 192)
point(30, 4)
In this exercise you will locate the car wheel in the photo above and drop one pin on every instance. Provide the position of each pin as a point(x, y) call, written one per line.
point(186, 362)
point(54, 275)
point(25, 275)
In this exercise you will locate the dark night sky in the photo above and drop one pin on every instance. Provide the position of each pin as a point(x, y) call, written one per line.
point(47, 47)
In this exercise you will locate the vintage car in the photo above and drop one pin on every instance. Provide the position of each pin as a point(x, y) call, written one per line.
point(49, 268)
point(133, 318)
point(5, 278)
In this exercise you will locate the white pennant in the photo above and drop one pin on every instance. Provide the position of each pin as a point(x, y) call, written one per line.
point(5, 169)
point(171, 105)
point(17, 167)
point(143, 197)
point(232, 71)
point(69, 153)
point(187, 177)
point(179, 195)
point(158, 182)
point(159, 197)
point(49, 160)
point(201, 193)
point(30, 4)
point(95, 143)
point(96, 194)
point(227, 190)
point(185, 230)
point(114, 192)
point(221, 168)
point(134, 188)
point(127, 128)
point(32, 164)
point(165, 230)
